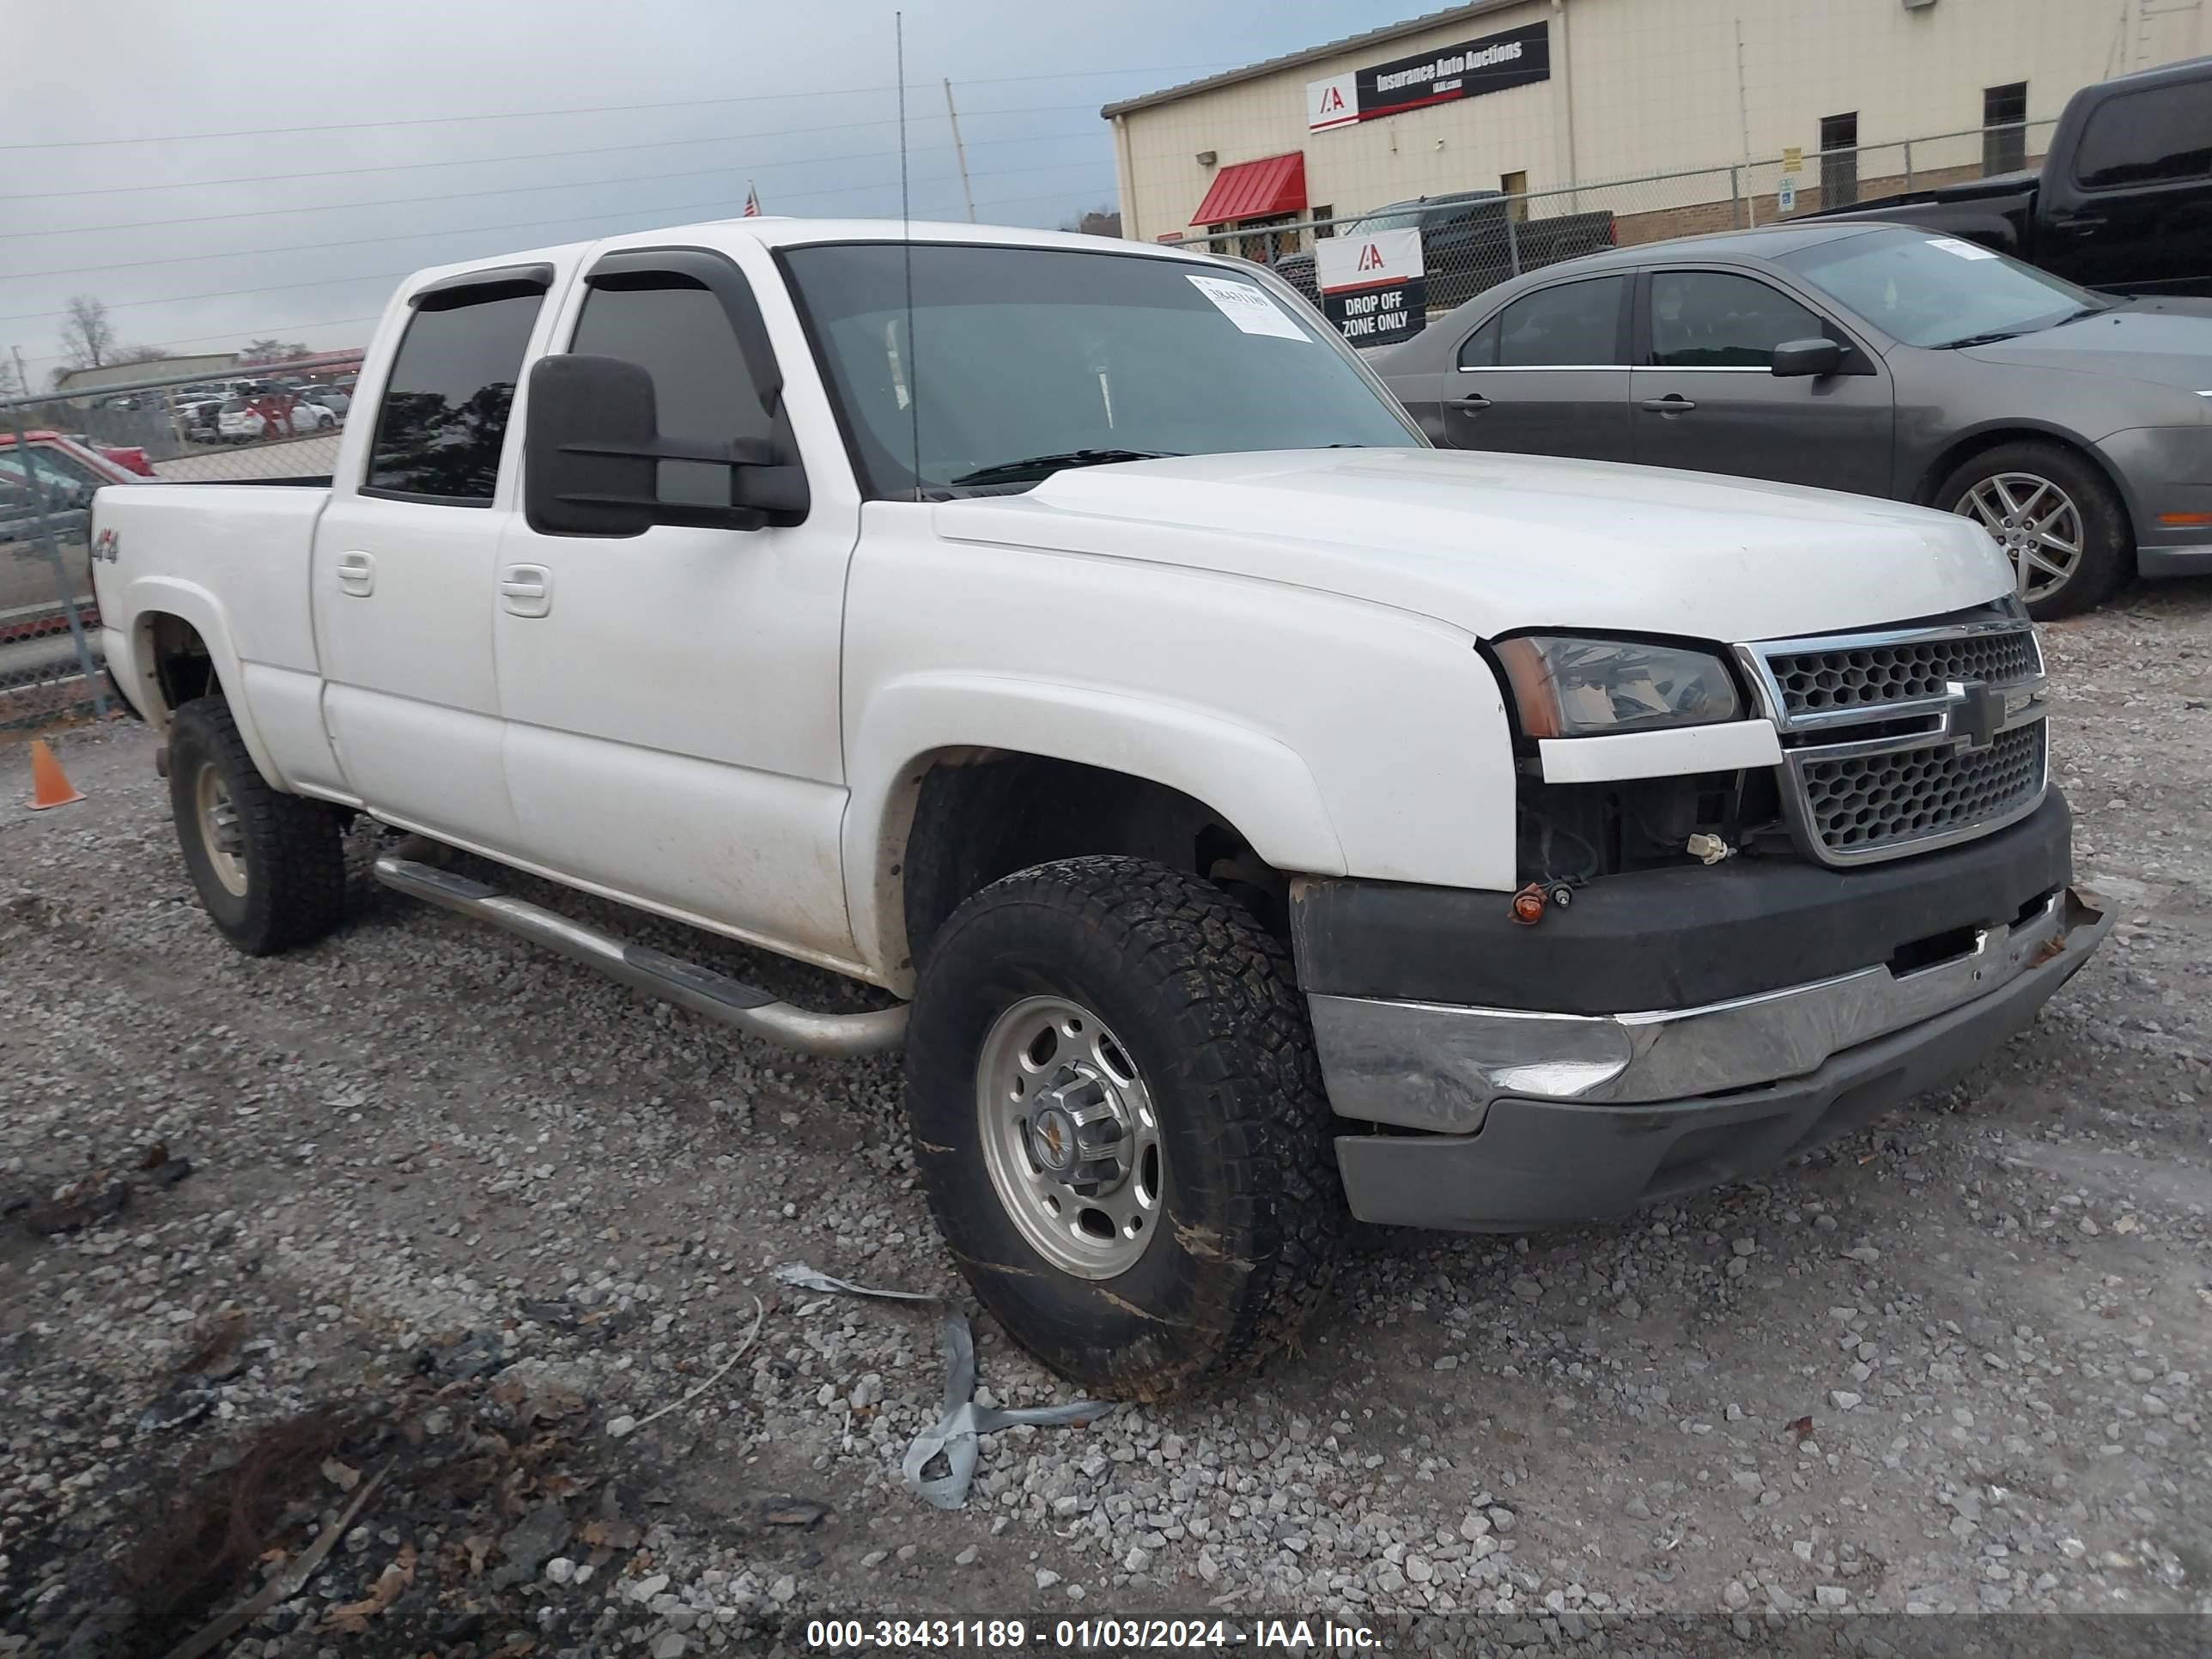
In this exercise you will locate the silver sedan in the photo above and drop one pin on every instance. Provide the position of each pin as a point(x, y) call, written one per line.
point(2076, 425)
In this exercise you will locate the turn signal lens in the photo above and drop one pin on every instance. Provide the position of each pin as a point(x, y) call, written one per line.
point(1564, 687)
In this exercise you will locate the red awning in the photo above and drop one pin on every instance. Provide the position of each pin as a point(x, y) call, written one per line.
point(1255, 190)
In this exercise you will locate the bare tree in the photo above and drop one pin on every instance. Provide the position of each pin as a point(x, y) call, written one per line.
point(142, 354)
point(87, 337)
point(272, 351)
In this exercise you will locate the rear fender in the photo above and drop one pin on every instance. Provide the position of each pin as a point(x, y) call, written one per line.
point(144, 598)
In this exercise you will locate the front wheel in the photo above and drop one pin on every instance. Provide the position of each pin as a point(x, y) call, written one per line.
point(269, 867)
point(1119, 1122)
point(2057, 519)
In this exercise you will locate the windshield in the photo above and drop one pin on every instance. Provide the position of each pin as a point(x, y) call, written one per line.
point(1938, 290)
point(1403, 218)
point(1059, 357)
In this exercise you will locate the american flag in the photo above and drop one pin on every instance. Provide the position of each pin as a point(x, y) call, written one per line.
point(752, 202)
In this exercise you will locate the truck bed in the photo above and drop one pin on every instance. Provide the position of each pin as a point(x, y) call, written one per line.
point(234, 552)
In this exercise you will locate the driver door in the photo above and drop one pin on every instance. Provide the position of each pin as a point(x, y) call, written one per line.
point(1704, 395)
point(671, 698)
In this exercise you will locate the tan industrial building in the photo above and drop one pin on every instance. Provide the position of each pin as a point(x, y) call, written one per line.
point(1767, 104)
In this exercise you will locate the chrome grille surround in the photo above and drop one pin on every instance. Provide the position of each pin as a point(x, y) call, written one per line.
point(1903, 741)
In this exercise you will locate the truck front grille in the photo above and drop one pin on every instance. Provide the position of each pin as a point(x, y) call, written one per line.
point(1870, 677)
point(1872, 801)
point(1909, 739)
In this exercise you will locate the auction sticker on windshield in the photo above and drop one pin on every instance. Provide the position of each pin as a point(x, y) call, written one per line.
point(1952, 244)
point(1246, 306)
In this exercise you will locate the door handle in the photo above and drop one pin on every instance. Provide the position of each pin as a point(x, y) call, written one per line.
point(527, 589)
point(356, 574)
point(1475, 403)
point(1673, 403)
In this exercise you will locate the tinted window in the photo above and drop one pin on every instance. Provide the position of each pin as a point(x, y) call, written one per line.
point(445, 405)
point(1708, 319)
point(1479, 348)
point(677, 332)
point(1016, 354)
point(2141, 137)
point(1574, 325)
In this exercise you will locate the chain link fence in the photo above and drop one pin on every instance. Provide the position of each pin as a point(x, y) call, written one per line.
point(56, 451)
point(1471, 241)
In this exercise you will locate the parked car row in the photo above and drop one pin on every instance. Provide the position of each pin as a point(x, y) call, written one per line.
point(252, 411)
point(2075, 426)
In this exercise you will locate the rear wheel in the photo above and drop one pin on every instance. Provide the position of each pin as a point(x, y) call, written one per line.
point(1119, 1122)
point(269, 867)
point(2057, 519)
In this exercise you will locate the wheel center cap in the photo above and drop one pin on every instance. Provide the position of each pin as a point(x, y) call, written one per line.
point(1052, 1141)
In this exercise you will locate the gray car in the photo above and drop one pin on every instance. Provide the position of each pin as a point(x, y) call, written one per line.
point(1868, 357)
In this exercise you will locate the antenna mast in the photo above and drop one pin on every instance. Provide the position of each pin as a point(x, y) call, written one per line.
point(959, 151)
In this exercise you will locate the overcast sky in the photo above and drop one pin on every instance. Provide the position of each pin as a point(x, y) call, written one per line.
point(198, 243)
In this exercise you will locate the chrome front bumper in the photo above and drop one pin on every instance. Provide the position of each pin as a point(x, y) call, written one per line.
point(1439, 1068)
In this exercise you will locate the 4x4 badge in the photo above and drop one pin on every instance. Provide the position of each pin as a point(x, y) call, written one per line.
point(108, 546)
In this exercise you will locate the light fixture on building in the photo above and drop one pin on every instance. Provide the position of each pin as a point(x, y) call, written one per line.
point(1206, 158)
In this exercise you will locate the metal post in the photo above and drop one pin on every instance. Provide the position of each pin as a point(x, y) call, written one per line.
point(1512, 234)
point(1908, 167)
point(959, 152)
point(36, 491)
point(1735, 193)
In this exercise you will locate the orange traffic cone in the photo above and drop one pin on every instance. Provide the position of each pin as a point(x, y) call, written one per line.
point(50, 785)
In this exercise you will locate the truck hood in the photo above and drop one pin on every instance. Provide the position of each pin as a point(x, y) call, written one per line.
point(2165, 342)
point(1491, 543)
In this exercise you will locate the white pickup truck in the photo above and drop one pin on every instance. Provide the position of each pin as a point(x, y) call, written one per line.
point(1246, 808)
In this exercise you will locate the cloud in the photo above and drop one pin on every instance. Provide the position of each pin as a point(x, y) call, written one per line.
point(370, 140)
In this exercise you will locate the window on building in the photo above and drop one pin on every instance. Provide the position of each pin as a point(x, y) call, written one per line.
point(2147, 136)
point(1515, 186)
point(1711, 320)
point(675, 330)
point(1262, 241)
point(444, 418)
point(2004, 128)
point(1839, 160)
point(1322, 215)
point(1574, 325)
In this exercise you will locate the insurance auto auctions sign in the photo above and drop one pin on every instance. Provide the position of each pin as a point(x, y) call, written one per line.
point(1374, 288)
point(1495, 63)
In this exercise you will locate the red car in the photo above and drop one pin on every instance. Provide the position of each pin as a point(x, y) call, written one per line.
point(69, 467)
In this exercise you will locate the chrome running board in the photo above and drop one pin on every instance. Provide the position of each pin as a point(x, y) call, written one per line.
point(727, 1001)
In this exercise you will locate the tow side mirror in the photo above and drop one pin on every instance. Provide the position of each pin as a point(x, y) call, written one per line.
point(588, 462)
point(592, 453)
point(1807, 357)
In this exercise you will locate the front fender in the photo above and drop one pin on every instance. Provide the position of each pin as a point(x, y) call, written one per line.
point(1254, 782)
point(144, 597)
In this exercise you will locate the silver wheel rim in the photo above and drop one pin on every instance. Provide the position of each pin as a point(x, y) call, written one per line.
point(1070, 1137)
point(2035, 522)
point(219, 834)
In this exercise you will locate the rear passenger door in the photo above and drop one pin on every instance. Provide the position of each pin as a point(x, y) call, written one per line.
point(2136, 215)
point(402, 568)
point(1705, 397)
point(1546, 376)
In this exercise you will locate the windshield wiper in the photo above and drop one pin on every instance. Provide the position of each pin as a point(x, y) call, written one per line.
point(1995, 335)
point(1040, 466)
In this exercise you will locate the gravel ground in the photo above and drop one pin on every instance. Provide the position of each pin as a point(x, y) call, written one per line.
point(425, 1216)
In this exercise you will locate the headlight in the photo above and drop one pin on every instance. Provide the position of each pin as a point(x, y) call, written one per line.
point(1573, 688)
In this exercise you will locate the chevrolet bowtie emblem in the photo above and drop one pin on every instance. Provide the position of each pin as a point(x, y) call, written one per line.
point(1978, 713)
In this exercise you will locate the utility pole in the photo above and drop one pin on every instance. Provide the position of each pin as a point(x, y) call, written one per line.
point(966, 189)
